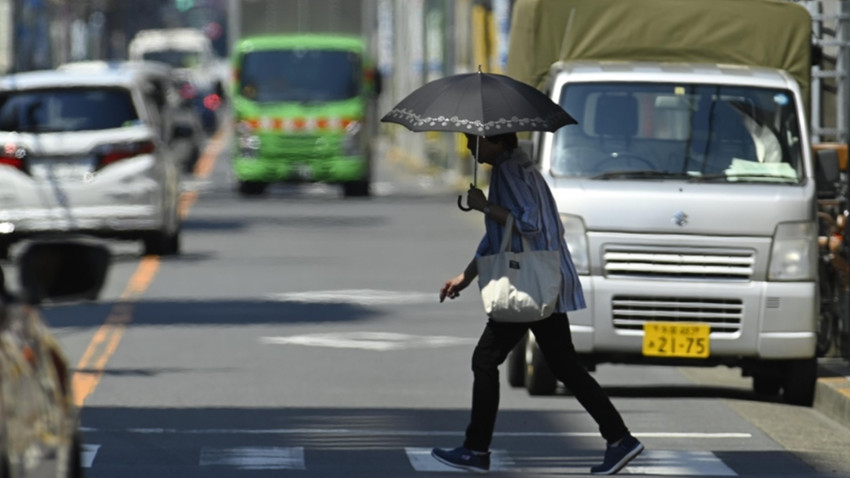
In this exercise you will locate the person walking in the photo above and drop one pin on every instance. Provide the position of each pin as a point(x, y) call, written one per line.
point(517, 188)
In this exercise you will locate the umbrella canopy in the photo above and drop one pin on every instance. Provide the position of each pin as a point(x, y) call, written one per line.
point(482, 104)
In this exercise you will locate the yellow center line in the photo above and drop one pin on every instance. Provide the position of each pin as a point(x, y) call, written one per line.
point(105, 341)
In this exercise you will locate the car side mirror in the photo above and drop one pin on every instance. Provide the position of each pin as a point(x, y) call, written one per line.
point(62, 271)
point(827, 173)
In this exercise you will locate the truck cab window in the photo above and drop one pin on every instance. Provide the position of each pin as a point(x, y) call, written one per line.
point(689, 130)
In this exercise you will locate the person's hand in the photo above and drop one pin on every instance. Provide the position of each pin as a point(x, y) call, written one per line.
point(476, 199)
point(452, 287)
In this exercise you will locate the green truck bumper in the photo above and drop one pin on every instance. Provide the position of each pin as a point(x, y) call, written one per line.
point(331, 170)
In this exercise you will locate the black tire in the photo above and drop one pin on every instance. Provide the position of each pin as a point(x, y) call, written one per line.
point(767, 384)
point(539, 379)
point(356, 188)
point(162, 244)
point(5, 247)
point(252, 188)
point(800, 381)
point(515, 367)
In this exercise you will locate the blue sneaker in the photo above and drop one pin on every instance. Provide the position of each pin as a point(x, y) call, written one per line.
point(616, 457)
point(463, 458)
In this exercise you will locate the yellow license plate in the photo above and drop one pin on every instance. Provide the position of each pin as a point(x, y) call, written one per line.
point(669, 339)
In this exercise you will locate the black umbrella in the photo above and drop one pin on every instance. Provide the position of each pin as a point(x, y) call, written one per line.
point(482, 104)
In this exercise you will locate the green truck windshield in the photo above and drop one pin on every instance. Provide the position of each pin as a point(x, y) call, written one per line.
point(300, 75)
point(651, 130)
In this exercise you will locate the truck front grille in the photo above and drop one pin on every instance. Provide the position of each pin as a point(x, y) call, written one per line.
point(631, 312)
point(679, 265)
point(301, 146)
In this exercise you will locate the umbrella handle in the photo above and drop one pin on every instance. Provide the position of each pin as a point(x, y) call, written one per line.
point(460, 204)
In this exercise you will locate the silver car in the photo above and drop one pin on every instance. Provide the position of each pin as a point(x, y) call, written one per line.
point(86, 149)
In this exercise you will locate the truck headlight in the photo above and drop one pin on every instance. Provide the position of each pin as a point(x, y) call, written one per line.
point(793, 256)
point(576, 236)
point(351, 141)
point(249, 145)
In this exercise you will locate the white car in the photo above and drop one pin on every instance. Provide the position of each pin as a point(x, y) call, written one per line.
point(201, 73)
point(85, 149)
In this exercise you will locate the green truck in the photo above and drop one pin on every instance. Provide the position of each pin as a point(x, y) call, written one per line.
point(304, 111)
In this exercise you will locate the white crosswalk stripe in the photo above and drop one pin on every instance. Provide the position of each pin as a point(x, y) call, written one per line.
point(421, 460)
point(254, 458)
point(681, 463)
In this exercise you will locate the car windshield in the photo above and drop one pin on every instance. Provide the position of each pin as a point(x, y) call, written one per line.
point(175, 58)
point(685, 131)
point(69, 109)
point(303, 75)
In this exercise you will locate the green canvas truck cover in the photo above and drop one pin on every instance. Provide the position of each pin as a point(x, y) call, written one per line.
point(769, 33)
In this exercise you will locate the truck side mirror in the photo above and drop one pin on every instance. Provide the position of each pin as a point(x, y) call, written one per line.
point(827, 173)
point(379, 82)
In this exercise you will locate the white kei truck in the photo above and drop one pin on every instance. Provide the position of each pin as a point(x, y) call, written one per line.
point(687, 189)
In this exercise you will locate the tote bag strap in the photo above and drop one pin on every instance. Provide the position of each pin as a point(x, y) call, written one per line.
point(509, 232)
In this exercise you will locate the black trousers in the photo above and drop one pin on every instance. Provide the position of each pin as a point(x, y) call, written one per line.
point(553, 337)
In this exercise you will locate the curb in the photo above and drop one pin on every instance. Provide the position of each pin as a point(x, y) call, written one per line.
point(832, 392)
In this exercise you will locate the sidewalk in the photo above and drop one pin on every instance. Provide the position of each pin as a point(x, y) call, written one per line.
point(832, 395)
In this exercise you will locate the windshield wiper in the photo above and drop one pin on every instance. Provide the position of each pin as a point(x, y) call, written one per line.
point(745, 177)
point(640, 174)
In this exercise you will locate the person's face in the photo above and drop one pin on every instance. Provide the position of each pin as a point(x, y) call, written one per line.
point(487, 150)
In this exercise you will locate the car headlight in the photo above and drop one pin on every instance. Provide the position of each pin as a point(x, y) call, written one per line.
point(793, 256)
point(575, 234)
point(352, 141)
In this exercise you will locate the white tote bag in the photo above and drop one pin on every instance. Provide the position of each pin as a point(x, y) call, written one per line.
point(519, 286)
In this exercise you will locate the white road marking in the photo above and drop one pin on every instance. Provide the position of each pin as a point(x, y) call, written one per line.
point(255, 458)
point(87, 454)
point(421, 460)
point(357, 296)
point(414, 433)
point(378, 341)
point(679, 463)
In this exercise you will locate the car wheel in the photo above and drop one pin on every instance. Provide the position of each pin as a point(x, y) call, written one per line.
point(516, 364)
point(355, 188)
point(539, 379)
point(5, 247)
point(252, 188)
point(800, 381)
point(161, 243)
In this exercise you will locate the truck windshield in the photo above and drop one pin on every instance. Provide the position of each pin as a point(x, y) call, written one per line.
point(300, 75)
point(698, 132)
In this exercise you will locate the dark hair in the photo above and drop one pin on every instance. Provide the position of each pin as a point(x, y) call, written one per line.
point(508, 140)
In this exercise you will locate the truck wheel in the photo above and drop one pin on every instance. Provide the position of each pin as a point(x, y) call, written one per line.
point(539, 379)
point(765, 383)
point(252, 188)
point(355, 188)
point(516, 364)
point(800, 381)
